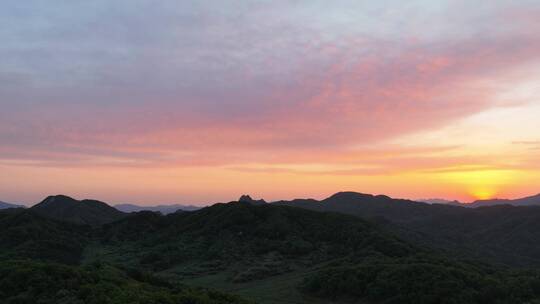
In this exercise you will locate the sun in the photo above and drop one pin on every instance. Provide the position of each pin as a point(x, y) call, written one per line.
point(482, 184)
point(483, 193)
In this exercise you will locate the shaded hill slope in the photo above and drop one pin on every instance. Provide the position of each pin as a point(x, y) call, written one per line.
point(503, 234)
point(237, 232)
point(25, 234)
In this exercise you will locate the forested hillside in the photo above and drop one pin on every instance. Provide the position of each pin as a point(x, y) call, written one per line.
point(263, 252)
point(500, 234)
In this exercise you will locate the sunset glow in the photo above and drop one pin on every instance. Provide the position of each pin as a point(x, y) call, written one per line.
point(199, 102)
point(483, 193)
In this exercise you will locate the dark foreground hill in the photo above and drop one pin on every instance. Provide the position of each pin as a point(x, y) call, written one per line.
point(502, 234)
point(241, 247)
point(242, 234)
point(268, 253)
point(87, 212)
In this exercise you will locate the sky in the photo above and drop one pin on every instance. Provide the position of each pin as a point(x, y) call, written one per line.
point(201, 101)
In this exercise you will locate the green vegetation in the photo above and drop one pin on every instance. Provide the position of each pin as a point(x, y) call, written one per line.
point(24, 234)
point(267, 253)
point(24, 282)
point(500, 234)
point(423, 279)
point(275, 238)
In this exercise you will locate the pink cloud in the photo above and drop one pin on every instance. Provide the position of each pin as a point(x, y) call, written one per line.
point(332, 95)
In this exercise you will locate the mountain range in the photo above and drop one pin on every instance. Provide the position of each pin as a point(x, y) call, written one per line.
point(347, 248)
point(440, 201)
point(526, 201)
point(501, 234)
point(372, 206)
point(164, 209)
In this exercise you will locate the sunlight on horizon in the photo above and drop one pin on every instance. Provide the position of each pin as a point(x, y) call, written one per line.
point(485, 184)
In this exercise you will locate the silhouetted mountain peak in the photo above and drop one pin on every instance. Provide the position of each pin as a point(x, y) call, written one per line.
point(56, 200)
point(354, 197)
point(65, 208)
point(247, 199)
point(348, 195)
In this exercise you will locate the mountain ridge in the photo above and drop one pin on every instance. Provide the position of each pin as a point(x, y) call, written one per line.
point(164, 209)
point(274, 254)
point(371, 206)
point(500, 233)
point(533, 200)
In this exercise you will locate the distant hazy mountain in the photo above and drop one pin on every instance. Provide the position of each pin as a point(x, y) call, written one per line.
point(90, 212)
point(440, 201)
point(526, 201)
point(164, 209)
point(4, 205)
